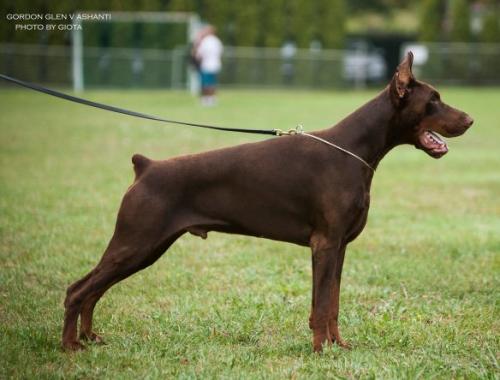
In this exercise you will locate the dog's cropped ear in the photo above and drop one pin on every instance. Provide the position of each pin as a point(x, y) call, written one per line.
point(403, 77)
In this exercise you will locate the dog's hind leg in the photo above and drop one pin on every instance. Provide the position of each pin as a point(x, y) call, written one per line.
point(145, 228)
point(107, 272)
point(88, 305)
point(102, 276)
point(78, 284)
point(120, 261)
point(86, 332)
point(69, 340)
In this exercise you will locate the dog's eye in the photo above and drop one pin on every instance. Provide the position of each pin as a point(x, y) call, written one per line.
point(433, 104)
point(435, 97)
point(430, 107)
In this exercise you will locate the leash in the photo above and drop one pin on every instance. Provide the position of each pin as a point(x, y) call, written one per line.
point(273, 132)
point(106, 107)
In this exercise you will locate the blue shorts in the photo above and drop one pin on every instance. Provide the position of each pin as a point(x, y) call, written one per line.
point(208, 79)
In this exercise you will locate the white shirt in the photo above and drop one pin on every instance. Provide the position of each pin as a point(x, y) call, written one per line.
point(209, 52)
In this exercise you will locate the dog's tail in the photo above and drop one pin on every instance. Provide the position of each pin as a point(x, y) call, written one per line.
point(140, 164)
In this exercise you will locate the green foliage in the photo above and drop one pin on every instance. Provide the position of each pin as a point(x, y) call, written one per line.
point(221, 14)
point(246, 23)
point(491, 27)
point(384, 6)
point(182, 5)
point(460, 21)
point(256, 23)
point(430, 21)
point(299, 14)
point(332, 19)
point(420, 286)
point(272, 23)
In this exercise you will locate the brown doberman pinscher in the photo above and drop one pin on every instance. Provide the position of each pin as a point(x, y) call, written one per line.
point(294, 189)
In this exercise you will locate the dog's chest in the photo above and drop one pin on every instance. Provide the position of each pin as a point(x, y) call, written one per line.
point(359, 215)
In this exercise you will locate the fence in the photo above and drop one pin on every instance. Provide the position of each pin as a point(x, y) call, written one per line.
point(462, 63)
point(102, 67)
point(120, 67)
point(245, 67)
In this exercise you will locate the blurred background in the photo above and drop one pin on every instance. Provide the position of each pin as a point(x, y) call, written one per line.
point(275, 43)
point(420, 295)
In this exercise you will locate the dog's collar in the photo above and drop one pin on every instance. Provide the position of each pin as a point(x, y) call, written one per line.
point(299, 130)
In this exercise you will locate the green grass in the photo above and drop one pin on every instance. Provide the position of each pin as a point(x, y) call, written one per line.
point(420, 285)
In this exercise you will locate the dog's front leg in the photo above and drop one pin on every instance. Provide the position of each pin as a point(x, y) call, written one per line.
point(325, 253)
point(333, 325)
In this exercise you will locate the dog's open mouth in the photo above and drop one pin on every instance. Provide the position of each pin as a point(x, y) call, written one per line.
point(433, 144)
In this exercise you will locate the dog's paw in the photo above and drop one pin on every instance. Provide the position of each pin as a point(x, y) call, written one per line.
point(92, 337)
point(317, 348)
point(342, 343)
point(73, 346)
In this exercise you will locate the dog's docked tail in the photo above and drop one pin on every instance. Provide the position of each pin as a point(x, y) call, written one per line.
point(140, 164)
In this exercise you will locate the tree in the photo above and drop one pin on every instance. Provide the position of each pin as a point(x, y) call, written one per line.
point(221, 14)
point(491, 27)
point(331, 22)
point(246, 24)
point(182, 6)
point(272, 23)
point(299, 24)
point(460, 21)
point(430, 21)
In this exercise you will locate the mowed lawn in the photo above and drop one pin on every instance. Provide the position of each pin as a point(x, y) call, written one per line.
point(420, 294)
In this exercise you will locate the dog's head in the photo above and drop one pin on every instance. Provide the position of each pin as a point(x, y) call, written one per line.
point(421, 115)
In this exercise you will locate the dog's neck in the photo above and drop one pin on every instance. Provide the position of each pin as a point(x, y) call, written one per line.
point(371, 131)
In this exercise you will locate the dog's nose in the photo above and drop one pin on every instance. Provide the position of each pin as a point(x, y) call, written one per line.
point(468, 121)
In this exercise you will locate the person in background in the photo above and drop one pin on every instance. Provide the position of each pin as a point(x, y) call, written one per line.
point(288, 51)
point(208, 52)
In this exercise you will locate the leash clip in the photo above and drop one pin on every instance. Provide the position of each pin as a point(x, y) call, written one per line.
point(298, 130)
